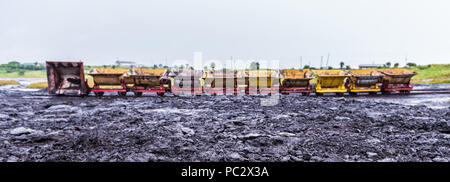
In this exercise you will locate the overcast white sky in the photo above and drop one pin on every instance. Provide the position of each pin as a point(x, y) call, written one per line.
point(102, 31)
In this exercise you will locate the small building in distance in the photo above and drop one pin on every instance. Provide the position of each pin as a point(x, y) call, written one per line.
point(370, 66)
point(125, 63)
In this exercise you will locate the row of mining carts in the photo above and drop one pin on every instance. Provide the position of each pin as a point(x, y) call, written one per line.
point(68, 78)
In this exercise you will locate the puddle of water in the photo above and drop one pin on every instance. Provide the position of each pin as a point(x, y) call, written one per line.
point(433, 86)
point(37, 97)
point(21, 88)
point(436, 101)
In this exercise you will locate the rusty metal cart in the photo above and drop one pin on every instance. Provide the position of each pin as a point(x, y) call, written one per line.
point(396, 79)
point(66, 78)
point(148, 80)
point(366, 80)
point(295, 81)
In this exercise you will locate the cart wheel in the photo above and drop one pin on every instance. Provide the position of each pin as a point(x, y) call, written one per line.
point(99, 93)
point(319, 94)
point(122, 93)
point(372, 93)
point(385, 92)
point(137, 94)
point(353, 93)
point(305, 93)
point(340, 94)
point(405, 92)
point(160, 93)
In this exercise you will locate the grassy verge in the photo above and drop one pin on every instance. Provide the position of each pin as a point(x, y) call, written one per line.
point(433, 73)
point(24, 74)
point(9, 82)
point(38, 85)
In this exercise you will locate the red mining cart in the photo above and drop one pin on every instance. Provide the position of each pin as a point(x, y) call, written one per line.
point(109, 80)
point(66, 78)
point(148, 80)
point(220, 82)
point(186, 81)
point(295, 81)
point(396, 79)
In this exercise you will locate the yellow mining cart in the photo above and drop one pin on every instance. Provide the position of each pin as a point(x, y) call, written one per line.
point(220, 81)
point(330, 81)
point(396, 79)
point(186, 81)
point(109, 77)
point(364, 81)
point(263, 81)
point(148, 80)
point(295, 81)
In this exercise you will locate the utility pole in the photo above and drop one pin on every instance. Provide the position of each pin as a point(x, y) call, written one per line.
point(165, 61)
point(232, 63)
point(328, 58)
point(321, 60)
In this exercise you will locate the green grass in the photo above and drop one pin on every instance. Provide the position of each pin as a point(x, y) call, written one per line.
point(38, 85)
point(433, 73)
point(26, 74)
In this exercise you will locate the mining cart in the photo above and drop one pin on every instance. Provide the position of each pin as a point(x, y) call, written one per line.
point(109, 80)
point(148, 80)
point(366, 80)
point(330, 81)
point(263, 81)
point(295, 81)
point(66, 78)
point(220, 82)
point(186, 81)
point(396, 79)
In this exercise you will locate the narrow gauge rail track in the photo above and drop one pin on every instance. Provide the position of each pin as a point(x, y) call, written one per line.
point(413, 92)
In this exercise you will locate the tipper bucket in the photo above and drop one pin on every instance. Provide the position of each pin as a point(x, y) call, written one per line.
point(364, 81)
point(107, 76)
point(220, 81)
point(148, 80)
point(295, 81)
point(110, 77)
point(186, 81)
point(397, 79)
point(263, 81)
point(330, 81)
point(66, 78)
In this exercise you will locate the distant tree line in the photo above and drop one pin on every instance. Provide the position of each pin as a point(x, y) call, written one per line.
point(14, 66)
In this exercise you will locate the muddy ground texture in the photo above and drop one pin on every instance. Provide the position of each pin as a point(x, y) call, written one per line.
point(220, 128)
